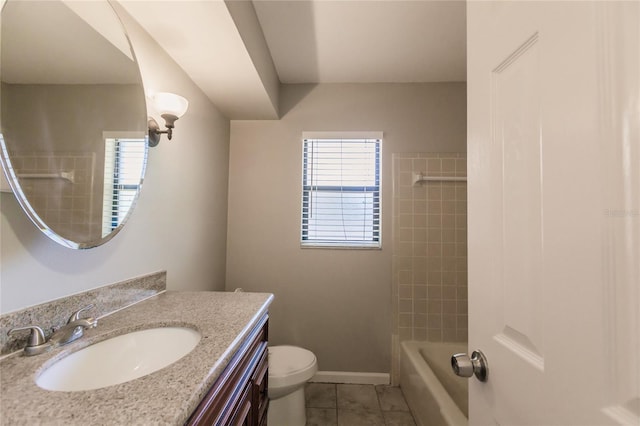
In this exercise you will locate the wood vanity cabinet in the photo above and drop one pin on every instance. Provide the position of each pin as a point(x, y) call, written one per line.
point(239, 396)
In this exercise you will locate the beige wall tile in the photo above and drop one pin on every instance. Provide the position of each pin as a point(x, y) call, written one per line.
point(420, 306)
point(420, 206)
point(404, 165)
point(405, 292)
point(405, 234)
point(449, 307)
point(449, 249)
point(448, 192)
point(434, 335)
point(420, 334)
point(434, 306)
point(405, 333)
point(434, 321)
point(434, 292)
point(419, 165)
point(436, 214)
point(405, 179)
point(420, 320)
point(434, 207)
point(448, 293)
point(434, 277)
point(461, 292)
point(435, 249)
point(405, 306)
point(405, 221)
point(448, 165)
point(404, 248)
point(405, 206)
point(434, 221)
point(433, 166)
point(419, 267)
point(434, 235)
point(419, 193)
point(449, 207)
point(405, 320)
point(450, 335)
point(420, 249)
point(462, 335)
point(403, 262)
point(420, 221)
point(404, 276)
point(420, 291)
point(449, 320)
point(420, 235)
point(434, 192)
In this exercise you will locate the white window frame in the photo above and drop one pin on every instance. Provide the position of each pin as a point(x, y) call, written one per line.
point(375, 228)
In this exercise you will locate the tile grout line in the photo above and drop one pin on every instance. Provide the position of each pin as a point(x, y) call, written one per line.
point(380, 394)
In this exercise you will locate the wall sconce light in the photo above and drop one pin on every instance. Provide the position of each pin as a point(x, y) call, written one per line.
point(171, 107)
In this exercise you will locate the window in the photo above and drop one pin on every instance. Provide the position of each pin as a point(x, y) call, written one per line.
point(341, 192)
point(124, 166)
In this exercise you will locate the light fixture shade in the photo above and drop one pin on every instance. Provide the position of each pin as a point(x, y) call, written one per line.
point(169, 103)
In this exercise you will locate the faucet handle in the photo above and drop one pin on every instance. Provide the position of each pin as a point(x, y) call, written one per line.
point(76, 315)
point(37, 344)
point(36, 338)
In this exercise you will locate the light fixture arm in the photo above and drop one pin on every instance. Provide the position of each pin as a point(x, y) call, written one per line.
point(154, 128)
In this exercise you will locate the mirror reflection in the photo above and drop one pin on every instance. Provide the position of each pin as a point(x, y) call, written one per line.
point(73, 118)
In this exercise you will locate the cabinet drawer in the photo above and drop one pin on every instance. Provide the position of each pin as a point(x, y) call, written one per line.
point(261, 385)
point(243, 415)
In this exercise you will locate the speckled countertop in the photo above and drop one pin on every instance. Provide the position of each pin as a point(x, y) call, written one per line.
point(166, 397)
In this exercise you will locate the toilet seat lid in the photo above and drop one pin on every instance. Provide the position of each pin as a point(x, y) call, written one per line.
point(287, 360)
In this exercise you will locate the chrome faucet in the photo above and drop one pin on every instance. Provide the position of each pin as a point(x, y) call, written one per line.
point(73, 330)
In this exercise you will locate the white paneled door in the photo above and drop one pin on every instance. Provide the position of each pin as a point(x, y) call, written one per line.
point(554, 211)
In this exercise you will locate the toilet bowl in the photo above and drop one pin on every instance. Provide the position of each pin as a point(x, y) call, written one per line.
point(290, 368)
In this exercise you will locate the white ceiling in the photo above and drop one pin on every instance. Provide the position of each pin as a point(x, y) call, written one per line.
point(365, 41)
point(239, 54)
point(202, 37)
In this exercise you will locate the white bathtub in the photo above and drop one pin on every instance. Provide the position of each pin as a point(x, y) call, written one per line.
point(435, 395)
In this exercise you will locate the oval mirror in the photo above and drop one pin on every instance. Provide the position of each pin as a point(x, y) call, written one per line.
point(73, 118)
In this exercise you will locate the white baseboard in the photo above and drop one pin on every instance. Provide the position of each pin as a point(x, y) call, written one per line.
point(351, 378)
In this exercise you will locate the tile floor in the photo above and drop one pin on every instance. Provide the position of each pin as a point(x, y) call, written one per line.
point(356, 405)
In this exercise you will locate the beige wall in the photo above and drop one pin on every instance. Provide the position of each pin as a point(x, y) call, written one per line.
point(337, 303)
point(179, 224)
point(73, 116)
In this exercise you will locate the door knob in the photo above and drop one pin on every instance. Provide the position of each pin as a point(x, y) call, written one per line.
point(464, 366)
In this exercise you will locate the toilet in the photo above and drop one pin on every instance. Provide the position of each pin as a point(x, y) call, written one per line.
point(290, 368)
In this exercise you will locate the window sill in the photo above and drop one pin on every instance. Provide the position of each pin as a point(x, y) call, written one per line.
point(338, 246)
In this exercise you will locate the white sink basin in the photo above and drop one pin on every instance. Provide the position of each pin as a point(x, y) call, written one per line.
point(119, 359)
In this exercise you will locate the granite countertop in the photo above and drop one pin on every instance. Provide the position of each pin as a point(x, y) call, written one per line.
point(166, 397)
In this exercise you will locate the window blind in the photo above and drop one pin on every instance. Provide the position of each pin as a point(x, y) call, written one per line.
point(124, 166)
point(341, 192)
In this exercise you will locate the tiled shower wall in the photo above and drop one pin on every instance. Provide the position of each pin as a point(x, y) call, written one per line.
point(65, 205)
point(429, 249)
